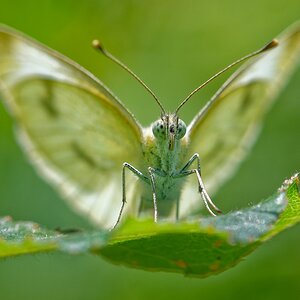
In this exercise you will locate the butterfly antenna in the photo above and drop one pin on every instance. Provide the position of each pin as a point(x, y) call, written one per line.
point(269, 46)
point(98, 46)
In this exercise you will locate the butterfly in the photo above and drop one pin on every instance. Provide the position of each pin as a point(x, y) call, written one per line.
point(84, 141)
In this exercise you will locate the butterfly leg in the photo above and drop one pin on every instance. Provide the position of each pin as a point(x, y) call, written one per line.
point(206, 199)
point(139, 175)
point(152, 172)
point(189, 163)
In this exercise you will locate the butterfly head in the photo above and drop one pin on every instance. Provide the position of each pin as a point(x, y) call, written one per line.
point(169, 128)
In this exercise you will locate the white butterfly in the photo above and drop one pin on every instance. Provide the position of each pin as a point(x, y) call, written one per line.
point(78, 134)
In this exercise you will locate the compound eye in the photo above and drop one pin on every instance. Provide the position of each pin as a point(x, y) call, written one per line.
point(181, 129)
point(158, 129)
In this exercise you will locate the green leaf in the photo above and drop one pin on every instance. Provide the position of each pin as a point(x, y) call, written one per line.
point(194, 248)
point(27, 237)
point(24, 237)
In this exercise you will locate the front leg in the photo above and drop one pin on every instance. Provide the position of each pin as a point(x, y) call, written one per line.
point(139, 175)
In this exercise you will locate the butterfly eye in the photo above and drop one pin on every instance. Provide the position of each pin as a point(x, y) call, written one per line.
point(181, 130)
point(159, 129)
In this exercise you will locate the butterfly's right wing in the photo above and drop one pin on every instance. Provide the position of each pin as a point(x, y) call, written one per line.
point(76, 133)
point(226, 128)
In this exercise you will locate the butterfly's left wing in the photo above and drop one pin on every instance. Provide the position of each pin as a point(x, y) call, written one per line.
point(75, 131)
point(225, 129)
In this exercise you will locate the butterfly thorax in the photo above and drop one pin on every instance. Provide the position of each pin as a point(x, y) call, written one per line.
point(158, 156)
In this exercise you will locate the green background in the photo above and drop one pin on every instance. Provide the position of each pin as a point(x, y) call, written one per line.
point(174, 46)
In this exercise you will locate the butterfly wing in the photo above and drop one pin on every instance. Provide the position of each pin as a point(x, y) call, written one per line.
point(75, 131)
point(226, 128)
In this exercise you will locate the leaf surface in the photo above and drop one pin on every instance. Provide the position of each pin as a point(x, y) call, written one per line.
point(193, 248)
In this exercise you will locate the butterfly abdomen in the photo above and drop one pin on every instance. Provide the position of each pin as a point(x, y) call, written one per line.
point(168, 192)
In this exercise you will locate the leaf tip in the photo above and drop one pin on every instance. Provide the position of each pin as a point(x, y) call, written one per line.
point(288, 182)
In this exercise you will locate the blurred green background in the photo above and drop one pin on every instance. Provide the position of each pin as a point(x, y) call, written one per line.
point(173, 46)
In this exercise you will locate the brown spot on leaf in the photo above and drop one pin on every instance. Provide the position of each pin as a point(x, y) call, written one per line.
point(214, 266)
point(181, 264)
point(218, 243)
point(7, 218)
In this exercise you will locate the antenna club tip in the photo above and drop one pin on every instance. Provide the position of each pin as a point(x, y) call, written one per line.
point(274, 43)
point(97, 45)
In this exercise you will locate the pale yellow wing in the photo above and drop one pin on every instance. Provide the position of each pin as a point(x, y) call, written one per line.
point(223, 132)
point(75, 131)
